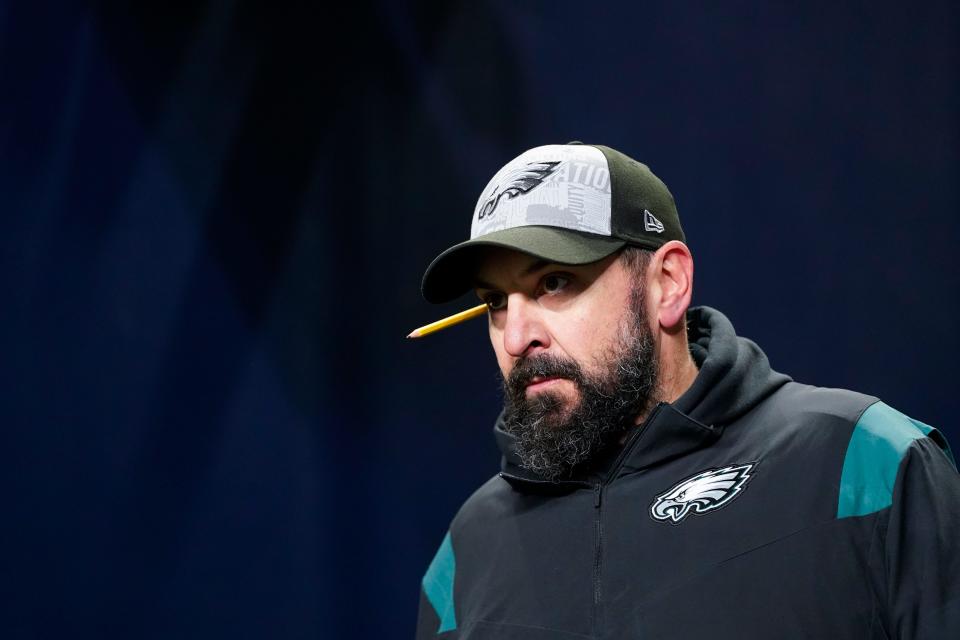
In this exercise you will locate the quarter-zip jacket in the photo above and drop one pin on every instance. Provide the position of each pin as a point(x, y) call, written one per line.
point(752, 507)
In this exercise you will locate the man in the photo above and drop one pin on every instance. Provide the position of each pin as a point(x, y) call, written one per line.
point(659, 479)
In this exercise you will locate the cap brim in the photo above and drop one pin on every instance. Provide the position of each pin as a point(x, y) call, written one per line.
point(452, 273)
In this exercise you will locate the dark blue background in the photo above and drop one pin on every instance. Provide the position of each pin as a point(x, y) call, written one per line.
point(215, 219)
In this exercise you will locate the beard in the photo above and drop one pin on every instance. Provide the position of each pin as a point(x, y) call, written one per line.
point(552, 438)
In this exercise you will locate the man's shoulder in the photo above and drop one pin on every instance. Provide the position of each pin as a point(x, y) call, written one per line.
point(807, 425)
point(857, 433)
point(808, 414)
point(803, 403)
point(802, 407)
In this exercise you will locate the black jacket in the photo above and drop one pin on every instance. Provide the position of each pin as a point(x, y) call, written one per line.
point(752, 507)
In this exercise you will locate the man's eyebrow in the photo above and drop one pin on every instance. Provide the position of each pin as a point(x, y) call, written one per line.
point(480, 284)
point(537, 265)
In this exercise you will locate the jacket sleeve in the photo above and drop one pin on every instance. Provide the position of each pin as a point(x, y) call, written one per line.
point(437, 617)
point(922, 546)
point(427, 620)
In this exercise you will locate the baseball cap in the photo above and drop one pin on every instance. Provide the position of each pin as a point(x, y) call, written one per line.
point(571, 203)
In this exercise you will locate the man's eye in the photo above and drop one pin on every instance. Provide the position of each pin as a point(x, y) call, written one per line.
point(554, 283)
point(495, 301)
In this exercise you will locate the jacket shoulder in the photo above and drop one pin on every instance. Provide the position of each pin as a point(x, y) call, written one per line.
point(811, 422)
point(828, 405)
point(881, 440)
point(853, 437)
point(865, 422)
point(488, 502)
point(438, 608)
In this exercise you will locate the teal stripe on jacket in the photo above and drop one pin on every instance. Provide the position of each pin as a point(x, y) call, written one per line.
point(438, 584)
point(879, 441)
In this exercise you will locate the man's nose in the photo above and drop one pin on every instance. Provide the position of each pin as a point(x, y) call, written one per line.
point(524, 332)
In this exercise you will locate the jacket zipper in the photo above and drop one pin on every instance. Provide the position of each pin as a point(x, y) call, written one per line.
point(598, 555)
point(598, 509)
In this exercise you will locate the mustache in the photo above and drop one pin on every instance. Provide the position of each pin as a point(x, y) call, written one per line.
point(541, 366)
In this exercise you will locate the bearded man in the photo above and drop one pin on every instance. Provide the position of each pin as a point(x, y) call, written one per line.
point(659, 479)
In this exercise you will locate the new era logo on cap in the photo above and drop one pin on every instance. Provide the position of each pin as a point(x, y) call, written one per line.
point(650, 223)
point(565, 186)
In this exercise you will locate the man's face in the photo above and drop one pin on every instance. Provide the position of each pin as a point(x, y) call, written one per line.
point(576, 354)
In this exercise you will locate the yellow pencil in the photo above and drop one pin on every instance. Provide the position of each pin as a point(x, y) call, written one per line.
point(456, 318)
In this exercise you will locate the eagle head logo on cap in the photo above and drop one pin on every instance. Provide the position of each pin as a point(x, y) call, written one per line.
point(517, 182)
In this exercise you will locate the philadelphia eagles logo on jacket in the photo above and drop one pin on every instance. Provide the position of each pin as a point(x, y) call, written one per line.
point(702, 493)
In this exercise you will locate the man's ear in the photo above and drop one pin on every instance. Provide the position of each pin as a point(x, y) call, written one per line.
point(672, 276)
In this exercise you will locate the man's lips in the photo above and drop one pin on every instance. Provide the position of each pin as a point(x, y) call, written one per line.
point(542, 382)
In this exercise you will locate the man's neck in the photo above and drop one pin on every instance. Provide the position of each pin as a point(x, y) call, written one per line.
point(677, 372)
point(676, 382)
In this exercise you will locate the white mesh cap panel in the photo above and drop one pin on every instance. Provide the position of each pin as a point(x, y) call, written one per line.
point(566, 186)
